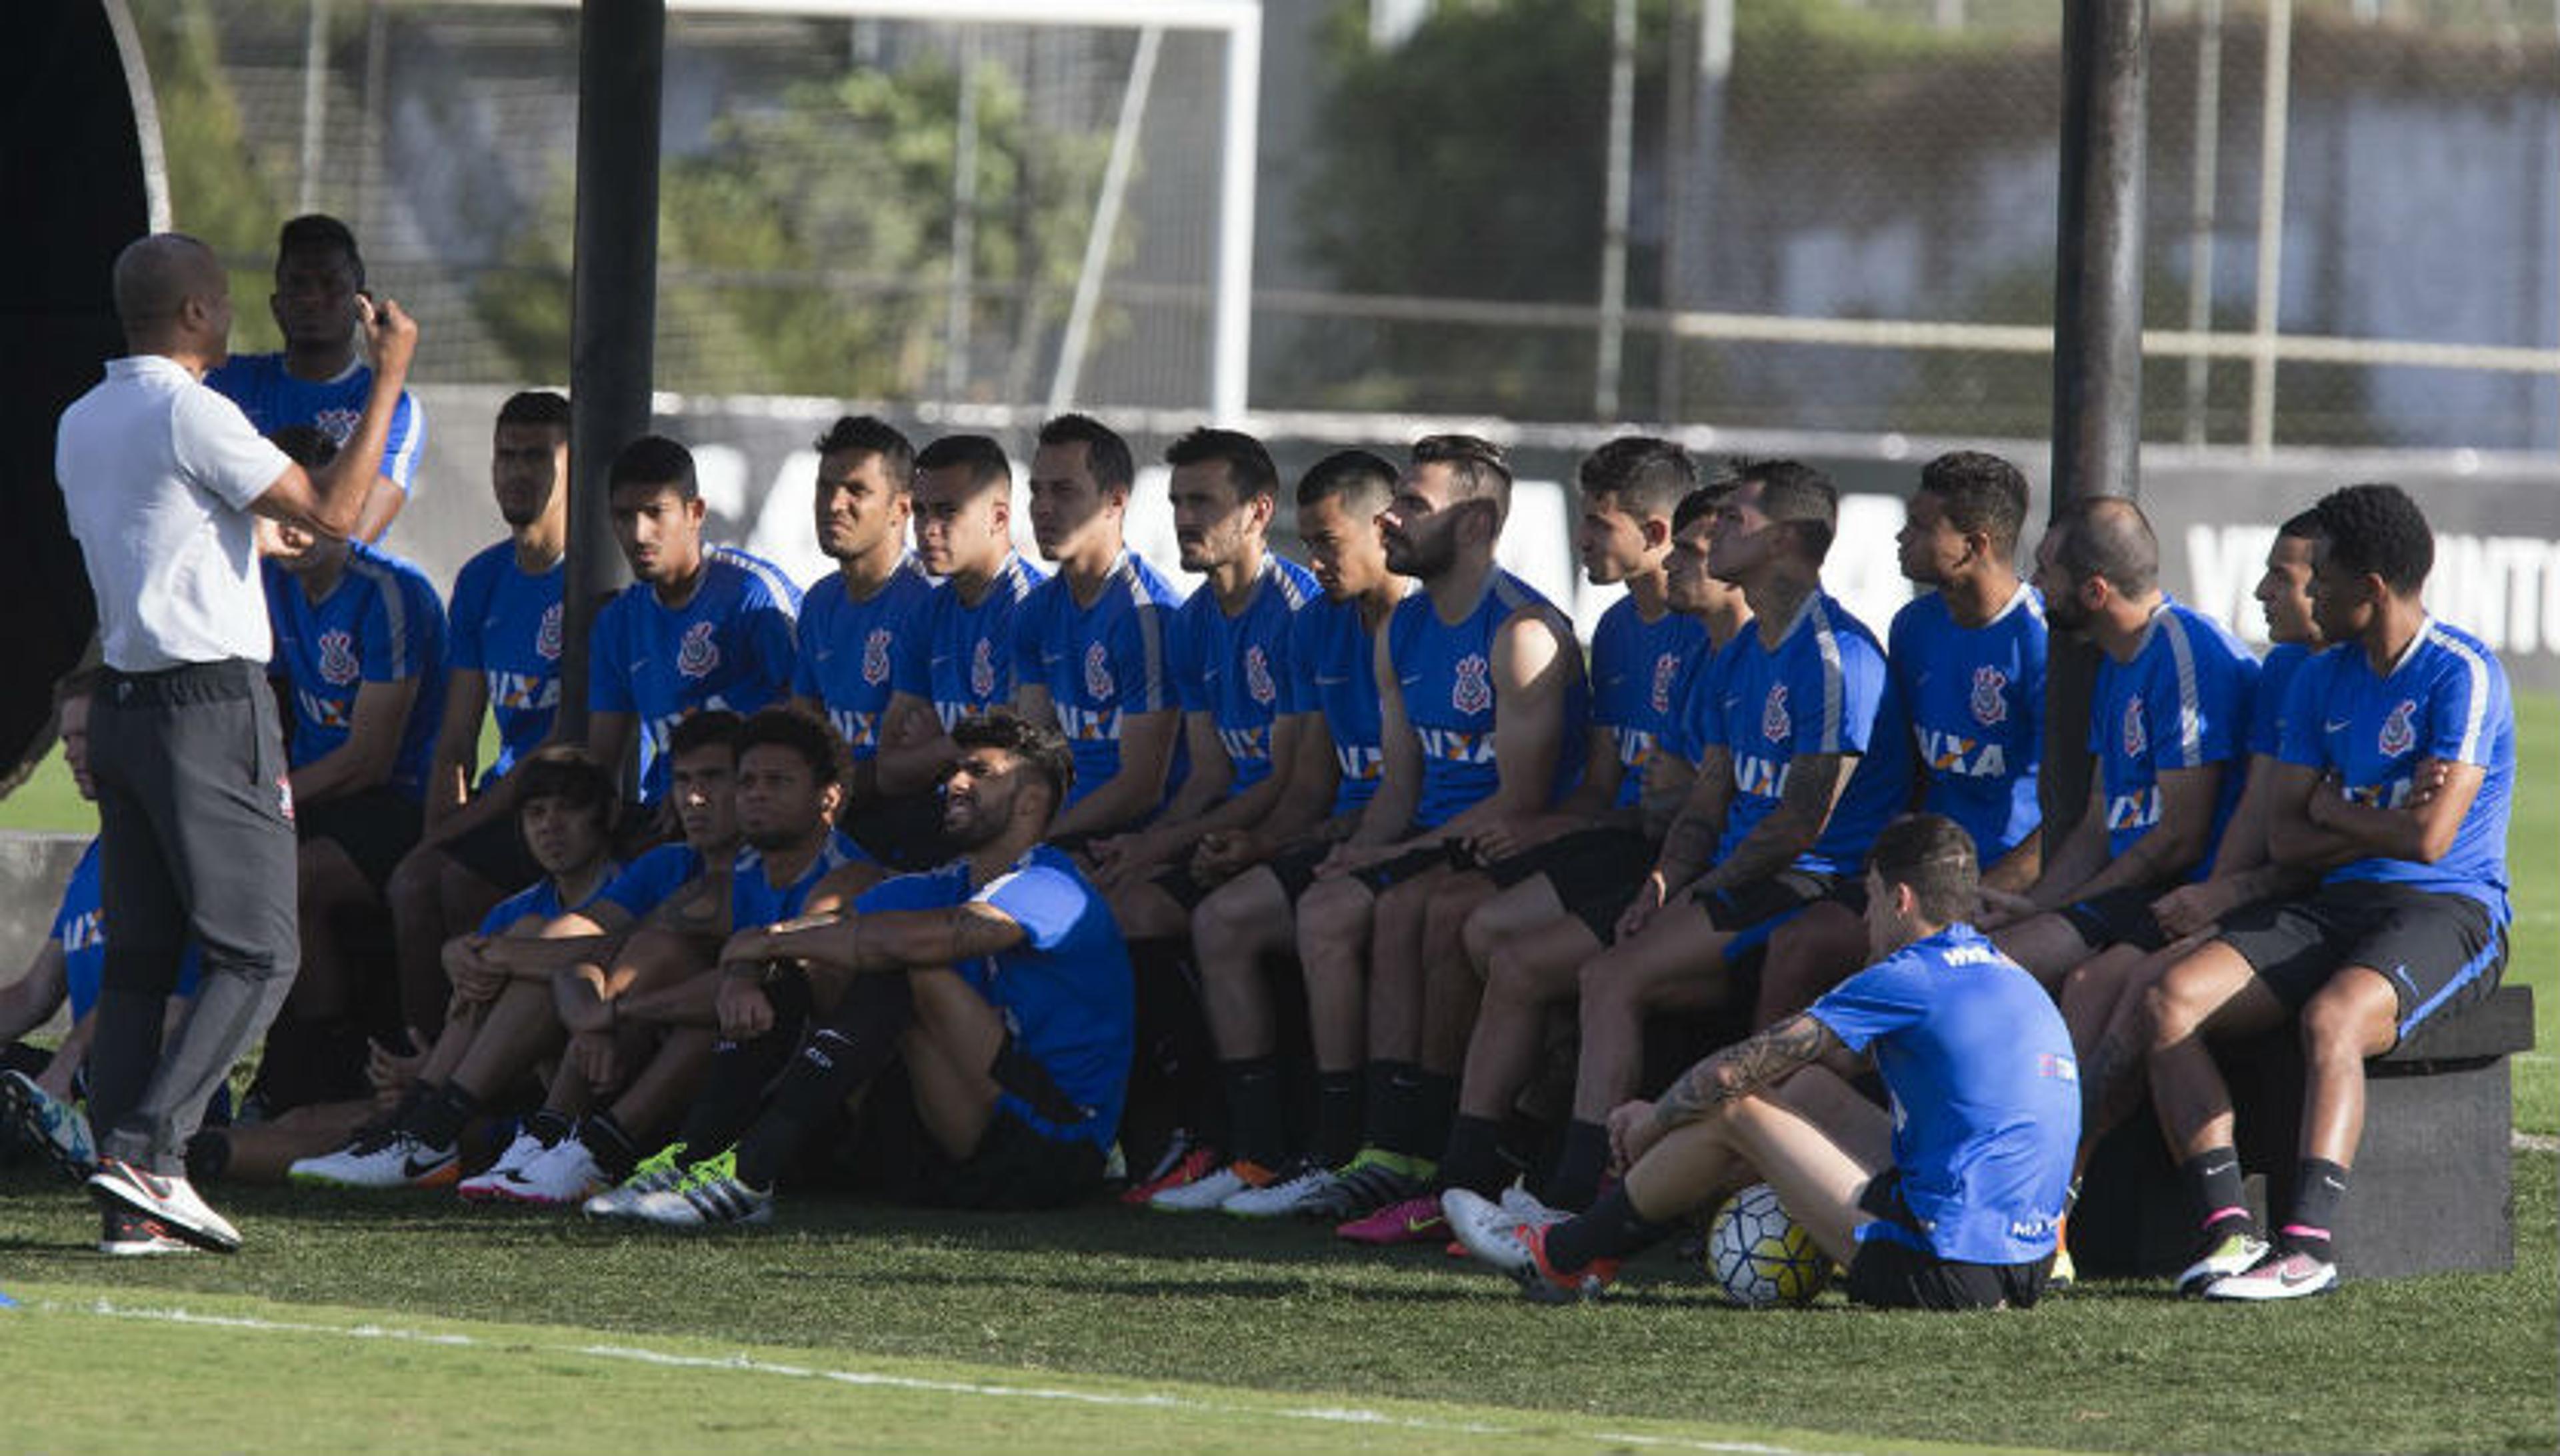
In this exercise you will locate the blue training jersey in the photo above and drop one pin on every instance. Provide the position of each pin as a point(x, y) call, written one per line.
point(541, 901)
point(2269, 702)
point(756, 901)
point(1101, 663)
point(2182, 702)
point(1333, 663)
point(506, 629)
point(849, 649)
point(80, 925)
point(1444, 674)
point(272, 398)
point(1977, 702)
point(1235, 668)
point(381, 623)
point(1637, 670)
point(1984, 1091)
point(959, 657)
point(651, 879)
point(731, 645)
point(2446, 699)
point(1823, 690)
point(1066, 993)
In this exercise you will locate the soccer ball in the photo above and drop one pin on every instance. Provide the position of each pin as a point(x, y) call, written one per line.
point(1761, 1257)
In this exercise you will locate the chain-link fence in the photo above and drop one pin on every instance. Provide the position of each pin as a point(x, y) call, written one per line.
point(1821, 215)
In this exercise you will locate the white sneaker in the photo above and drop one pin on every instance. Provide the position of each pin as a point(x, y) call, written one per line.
point(564, 1174)
point(2233, 1253)
point(660, 1171)
point(1528, 1207)
point(2276, 1276)
point(1205, 1195)
point(485, 1187)
point(381, 1160)
point(166, 1197)
point(1304, 1190)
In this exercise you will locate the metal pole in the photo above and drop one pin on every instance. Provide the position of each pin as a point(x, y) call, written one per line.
point(2201, 215)
point(964, 223)
point(1677, 158)
point(2097, 334)
point(1230, 368)
point(2271, 227)
point(1613, 215)
point(613, 312)
point(315, 104)
point(1106, 222)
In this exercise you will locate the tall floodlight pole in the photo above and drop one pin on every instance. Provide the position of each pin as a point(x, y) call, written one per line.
point(613, 309)
point(2097, 334)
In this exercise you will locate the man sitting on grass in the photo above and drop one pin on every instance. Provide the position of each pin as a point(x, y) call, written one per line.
point(998, 980)
point(1949, 1200)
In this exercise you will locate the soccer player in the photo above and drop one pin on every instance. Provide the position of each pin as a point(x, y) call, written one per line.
point(2167, 723)
point(698, 627)
point(360, 659)
point(1594, 840)
point(1474, 660)
point(1948, 1201)
point(565, 810)
point(1806, 758)
point(958, 661)
point(998, 981)
point(320, 379)
point(852, 621)
point(67, 969)
point(1527, 945)
point(645, 1027)
point(1968, 658)
point(1259, 874)
point(1092, 654)
point(161, 480)
point(2399, 769)
point(502, 662)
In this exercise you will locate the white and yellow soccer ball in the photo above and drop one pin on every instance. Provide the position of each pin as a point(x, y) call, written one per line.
point(1759, 1257)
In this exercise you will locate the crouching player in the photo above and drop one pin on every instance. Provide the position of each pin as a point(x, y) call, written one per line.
point(999, 981)
point(1949, 1200)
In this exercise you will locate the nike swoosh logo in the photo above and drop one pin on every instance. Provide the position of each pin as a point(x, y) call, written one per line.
point(1409, 681)
point(2337, 724)
point(1325, 682)
point(411, 1168)
point(2292, 1278)
point(1432, 1224)
point(2218, 1168)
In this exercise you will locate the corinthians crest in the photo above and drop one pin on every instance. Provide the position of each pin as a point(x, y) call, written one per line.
point(2400, 730)
point(2136, 734)
point(547, 637)
point(1097, 672)
point(1990, 695)
point(876, 657)
point(697, 653)
point(982, 669)
point(1775, 725)
point(1666, 672)
point(338, 661)
point(1472, 690)
point(1258, 675)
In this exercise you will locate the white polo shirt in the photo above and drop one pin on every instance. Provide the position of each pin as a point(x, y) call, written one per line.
point(157, 472)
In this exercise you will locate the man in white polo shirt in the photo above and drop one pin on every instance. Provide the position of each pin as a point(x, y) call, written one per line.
point(160, 478)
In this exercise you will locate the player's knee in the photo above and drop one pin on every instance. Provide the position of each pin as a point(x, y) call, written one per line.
point(2354, 1017)
point(416, 882)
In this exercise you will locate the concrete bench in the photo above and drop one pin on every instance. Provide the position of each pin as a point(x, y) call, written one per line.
point(2433, 1187)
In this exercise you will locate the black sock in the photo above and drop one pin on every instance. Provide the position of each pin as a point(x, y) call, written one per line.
point(1338, 1116)
point(437, 1118)
point(2213, 1185)
point(1612, 1229)
point(1579, 1166)
point(547, 1127)
point(611, 1146)
point(1258, 1124)
point(1473, 1158)
point(2320, 1186)
point(1390, 1084)
point(1428, 1113)
point(859, 1041)
point(741, 1071)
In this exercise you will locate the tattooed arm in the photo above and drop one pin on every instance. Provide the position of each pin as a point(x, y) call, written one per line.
point(1752, 1065)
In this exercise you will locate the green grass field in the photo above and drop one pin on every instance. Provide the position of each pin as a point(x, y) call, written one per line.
point(411, 1320)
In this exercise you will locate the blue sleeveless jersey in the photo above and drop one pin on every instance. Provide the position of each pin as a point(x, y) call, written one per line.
point(506, 629)
point(381, 623)
point(1066, 993)
point(2182, 702)
point(753, 901)
point(79, 925)
point(2447, 699)
point(958, 657)
point(1977, 702)
point(849, 649)
point(1637, 671)
point(1235, 668)
point(1823, 690)
point(1100, 663)
point(1445, 675)
point(273, 398)
point(1985, 1095)
point(730, 646)
point(1334, 661)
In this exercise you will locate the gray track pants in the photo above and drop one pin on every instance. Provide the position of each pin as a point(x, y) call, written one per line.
point(198, 841)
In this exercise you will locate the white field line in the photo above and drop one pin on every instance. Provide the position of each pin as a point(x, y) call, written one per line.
point(1333, 1416)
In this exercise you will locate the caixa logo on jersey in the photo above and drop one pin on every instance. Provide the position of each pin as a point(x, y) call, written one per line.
point(1359, 763)
point(697, 653)
point(859, 729)
point(1760, 776)
point(1454, 745)
point(2140, 809)
point(1088, 725)
point(1957, 756)
point(1246, 744)
point(1471, 685)
point(338, 661)
point(522, 692)
point(547, 637)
